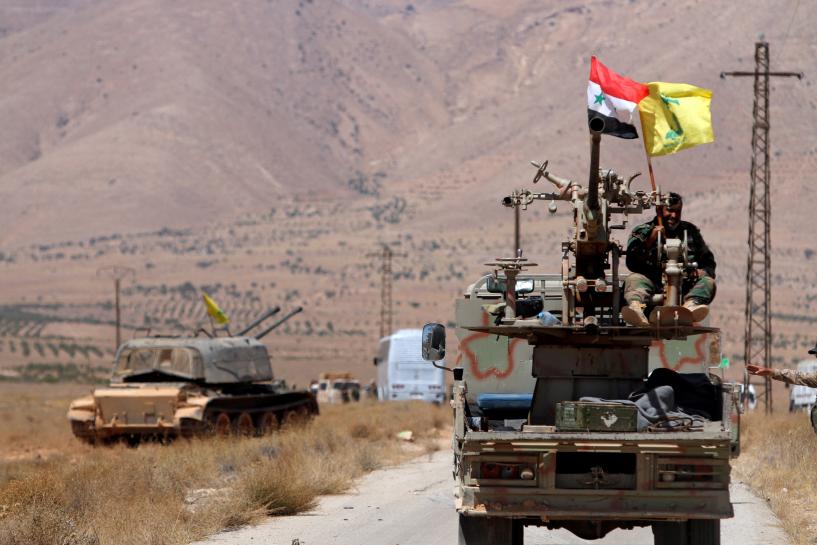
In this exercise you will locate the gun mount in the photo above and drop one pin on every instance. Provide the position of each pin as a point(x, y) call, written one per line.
point(278, 323)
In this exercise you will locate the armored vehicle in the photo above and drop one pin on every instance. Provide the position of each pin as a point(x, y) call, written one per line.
point(564, 416)
point(167, 387)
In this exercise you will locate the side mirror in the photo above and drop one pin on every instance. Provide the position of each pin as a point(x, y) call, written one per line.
point(433, 342)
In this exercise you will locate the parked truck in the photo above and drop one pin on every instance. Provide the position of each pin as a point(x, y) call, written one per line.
point(166, 387)
point(402, 374)
point(559, 420)
point(336, 388)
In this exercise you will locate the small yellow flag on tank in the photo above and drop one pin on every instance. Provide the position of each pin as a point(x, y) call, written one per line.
point(213, 310)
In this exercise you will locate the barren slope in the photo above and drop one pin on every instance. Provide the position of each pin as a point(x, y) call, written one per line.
point(262, 149)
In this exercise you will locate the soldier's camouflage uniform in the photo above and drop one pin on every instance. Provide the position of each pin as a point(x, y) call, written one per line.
point(795, 377)
point(645, 269)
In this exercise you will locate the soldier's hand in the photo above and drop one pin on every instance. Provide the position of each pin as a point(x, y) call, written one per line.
point(700, 272)
point(758, 370)
point(654, 235)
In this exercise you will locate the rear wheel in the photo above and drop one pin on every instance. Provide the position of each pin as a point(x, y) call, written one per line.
point(490, 531)
point(244, 425)
point(704, 532)
point(691, 532)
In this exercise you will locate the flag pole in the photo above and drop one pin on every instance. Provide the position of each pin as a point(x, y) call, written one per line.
point(654, 190)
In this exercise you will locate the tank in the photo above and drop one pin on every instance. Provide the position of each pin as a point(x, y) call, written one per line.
point(546, 432)
point(168, 387)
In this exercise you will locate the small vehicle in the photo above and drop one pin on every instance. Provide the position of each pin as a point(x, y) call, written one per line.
point(168, 387)
point(803, 398)
point(337, 388)
point(402, 374)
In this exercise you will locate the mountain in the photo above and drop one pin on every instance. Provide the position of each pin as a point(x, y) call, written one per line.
point(264, 149)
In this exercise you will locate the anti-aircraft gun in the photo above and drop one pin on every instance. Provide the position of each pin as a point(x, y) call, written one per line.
point(164, 387)
point(558, 419)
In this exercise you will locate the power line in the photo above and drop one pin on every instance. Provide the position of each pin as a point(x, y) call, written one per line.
point(386, 254)
point(117, 273)
point(757, 341)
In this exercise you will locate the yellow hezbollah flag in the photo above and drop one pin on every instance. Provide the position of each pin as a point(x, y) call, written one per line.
point(675, 116)
point(213, 310)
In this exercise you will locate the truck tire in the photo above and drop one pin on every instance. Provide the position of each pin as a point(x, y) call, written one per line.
point(670, 533)
point(704, 532)
point(691, 532)
point(490, 531)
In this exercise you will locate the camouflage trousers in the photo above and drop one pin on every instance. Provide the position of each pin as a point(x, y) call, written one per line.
point(638, 287)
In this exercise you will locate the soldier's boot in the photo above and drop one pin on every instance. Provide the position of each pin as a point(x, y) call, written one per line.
point(699, 310)
point(633, 314)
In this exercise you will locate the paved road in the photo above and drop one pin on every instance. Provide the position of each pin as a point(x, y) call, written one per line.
point(412, 505)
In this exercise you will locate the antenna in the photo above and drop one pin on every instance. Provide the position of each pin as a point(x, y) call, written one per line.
point(386, 255)
point(117, 273)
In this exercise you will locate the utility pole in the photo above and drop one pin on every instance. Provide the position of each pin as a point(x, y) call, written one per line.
point(117, 273)
point(757, 341)
point(386, 255)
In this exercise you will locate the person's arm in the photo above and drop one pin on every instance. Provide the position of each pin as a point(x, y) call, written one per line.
point(796, 377)
point(638, 251)
point(784, 375)
point(703, 255)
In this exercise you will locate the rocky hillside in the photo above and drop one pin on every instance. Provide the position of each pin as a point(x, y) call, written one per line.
point(263, 149)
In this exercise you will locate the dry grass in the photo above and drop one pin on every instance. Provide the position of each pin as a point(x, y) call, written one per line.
point(165, 495)
point(777, 461)
point(33, 417)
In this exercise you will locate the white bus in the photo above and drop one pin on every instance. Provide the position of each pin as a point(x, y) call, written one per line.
point(403, 374)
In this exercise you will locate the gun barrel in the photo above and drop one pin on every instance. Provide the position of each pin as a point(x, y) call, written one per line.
point(271, 312)
point(596, 127)
point(286, 317)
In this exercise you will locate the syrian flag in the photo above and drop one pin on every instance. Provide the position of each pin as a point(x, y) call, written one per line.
point(614, 99)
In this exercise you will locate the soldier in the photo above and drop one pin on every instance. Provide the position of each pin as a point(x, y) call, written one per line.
point(786, 375)
point(645, 269)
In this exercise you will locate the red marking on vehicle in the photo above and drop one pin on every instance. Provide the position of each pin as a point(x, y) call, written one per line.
point(473, 360)
point(697, 359)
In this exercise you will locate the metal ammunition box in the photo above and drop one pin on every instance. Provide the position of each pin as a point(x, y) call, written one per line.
point(591, 416)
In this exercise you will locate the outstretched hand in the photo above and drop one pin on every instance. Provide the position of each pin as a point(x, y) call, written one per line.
point(758, 370)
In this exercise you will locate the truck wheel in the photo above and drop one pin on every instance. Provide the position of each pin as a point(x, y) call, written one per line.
point(244, 426)
point(670, 533)
point(692, 532)
point(704, 532)
point(490, 531)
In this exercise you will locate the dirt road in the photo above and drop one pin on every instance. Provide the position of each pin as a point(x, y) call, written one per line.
point(413, 505)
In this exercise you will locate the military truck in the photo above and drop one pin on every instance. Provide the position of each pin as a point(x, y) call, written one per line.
point(335, 388)
point(167, 387)
point(558, 421)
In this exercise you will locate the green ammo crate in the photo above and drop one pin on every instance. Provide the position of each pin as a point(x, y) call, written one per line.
point(592, 416)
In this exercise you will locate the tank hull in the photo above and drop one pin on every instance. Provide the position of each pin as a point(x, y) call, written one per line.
point(134, 412)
